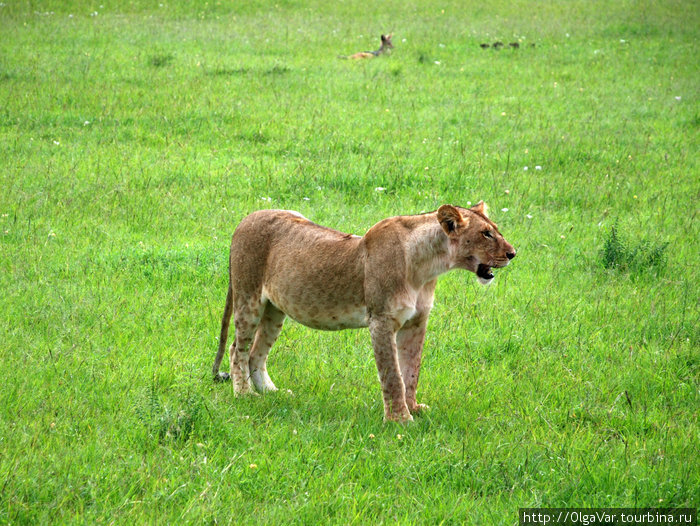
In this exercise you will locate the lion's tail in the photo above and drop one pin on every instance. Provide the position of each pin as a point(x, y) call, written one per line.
point(225, 322)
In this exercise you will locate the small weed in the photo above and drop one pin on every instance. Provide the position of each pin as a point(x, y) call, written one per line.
point(276, 70)
point(159, 61)
point(167, 423)
point(225, 72)
point(229, 72)
point(624, 255)
point(253, 137)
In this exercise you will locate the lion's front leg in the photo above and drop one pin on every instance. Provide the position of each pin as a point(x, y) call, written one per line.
point(385, 355)
point(409, 341)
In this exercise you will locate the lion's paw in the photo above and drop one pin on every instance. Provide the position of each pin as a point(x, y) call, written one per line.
point(222, 377)
point(247, 392)
point(400, 417)
point(418, 408)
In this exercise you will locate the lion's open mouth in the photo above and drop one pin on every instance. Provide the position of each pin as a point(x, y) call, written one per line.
point(484, 272)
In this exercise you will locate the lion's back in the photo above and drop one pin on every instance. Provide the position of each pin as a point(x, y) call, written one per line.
point(300, 266)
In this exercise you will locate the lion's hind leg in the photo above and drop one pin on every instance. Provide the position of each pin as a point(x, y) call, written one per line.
point(247, 317)
point(265, 336)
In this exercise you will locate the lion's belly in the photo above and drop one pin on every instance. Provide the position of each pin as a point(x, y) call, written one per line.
point(317, 311)
point(347, 317)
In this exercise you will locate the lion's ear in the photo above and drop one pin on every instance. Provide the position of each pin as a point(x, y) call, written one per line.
point(450, 218)
point(481, 208)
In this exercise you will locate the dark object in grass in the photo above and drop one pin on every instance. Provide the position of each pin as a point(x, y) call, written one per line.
point(514, 45)
point(219, 72)
point(222, 377)
point(276, 70)
point(497, 45)
point(484, 46)
point(159, 61)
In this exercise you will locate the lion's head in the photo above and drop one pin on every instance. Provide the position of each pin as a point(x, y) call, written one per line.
point(475, 242)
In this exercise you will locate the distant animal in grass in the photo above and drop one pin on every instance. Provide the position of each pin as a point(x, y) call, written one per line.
point(499, 45)
point(384, 49)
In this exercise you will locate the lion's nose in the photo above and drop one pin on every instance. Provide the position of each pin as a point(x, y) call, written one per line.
point(510, 255)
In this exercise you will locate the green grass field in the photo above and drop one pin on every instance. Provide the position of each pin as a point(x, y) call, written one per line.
point(134, 136)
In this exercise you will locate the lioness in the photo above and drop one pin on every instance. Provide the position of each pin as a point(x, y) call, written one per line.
point(282, 264)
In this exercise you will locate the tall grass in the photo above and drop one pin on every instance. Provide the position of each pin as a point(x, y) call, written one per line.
point(620, 253)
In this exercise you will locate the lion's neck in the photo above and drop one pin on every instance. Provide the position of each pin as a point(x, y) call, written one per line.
point(427, 252)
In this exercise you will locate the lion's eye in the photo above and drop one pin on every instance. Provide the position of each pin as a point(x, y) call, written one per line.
point(487, 234)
